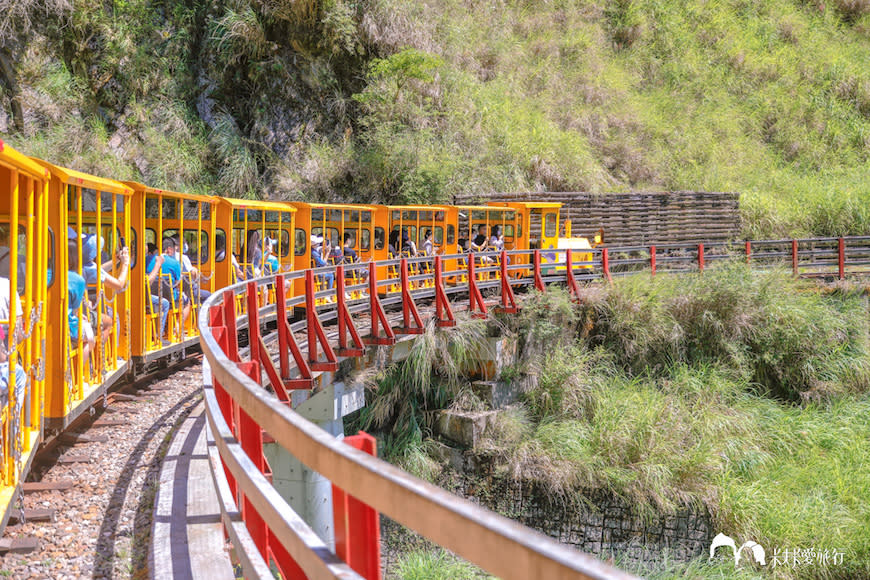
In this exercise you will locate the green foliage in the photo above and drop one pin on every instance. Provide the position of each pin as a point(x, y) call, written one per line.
point(403, 401)
point(766, 327)
point(427, 565)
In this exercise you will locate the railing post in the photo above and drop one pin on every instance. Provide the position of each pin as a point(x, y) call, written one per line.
point(569, 275)
point(443, 310)
point(474, 295)
point(376, 311)
point(748, 251)
point(357, 526)
point(700, 257)
point(315, 331)
point(409, 309)
point(539, 281)
point(345, 321)
point(225, 403)
point(508, 300)
point(841, 258)
point(794, 257)
point(652, 260)
point(605, 264)
point(287, 344)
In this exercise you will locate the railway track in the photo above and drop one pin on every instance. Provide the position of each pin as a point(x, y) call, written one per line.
point(88, 503)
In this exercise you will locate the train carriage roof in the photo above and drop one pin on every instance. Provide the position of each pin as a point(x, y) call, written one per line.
point(190, 196)
point(15, 160)
point(258, 204)
point(73, 177)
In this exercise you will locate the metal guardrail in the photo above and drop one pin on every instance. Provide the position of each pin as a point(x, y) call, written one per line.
point(263, 527)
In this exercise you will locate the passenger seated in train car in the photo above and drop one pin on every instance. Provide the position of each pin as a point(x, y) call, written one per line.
point(318, 259)
point(270, 260)
point(172, 267)
point(90, 271)
point(462, 246)
point(159, 292)
point(253, 256)
point(77, 291)
point(191, 283)
point(428, 243)
point(7, 338)
point(481, 243)
point(334, 253)
point(409, 248)
point(237, 269)
point(350, 255)
point(496, 238)
point(394, 246)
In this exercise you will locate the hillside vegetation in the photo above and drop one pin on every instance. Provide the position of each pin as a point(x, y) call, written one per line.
point(413, 101)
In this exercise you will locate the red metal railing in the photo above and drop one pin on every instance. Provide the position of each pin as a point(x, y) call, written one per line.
point(240, 409)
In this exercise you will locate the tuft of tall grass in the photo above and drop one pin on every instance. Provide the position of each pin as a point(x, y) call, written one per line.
point(767, 327)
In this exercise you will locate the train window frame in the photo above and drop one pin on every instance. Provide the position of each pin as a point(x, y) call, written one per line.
point(218, 234)
point(300, 246)
point(334, 234)
point(284, 244)
point(451, 234)
point(550, 225)
point(20, 242)
point(365, 242)
point(203, 238)
point(366, 216)
point(380, 240)
point(438, 235)
point(352, 233)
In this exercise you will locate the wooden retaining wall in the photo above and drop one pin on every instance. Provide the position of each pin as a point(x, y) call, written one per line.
point(642, 218)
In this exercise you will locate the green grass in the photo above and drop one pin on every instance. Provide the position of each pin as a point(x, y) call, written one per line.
point(662, 404)
point(426, 565)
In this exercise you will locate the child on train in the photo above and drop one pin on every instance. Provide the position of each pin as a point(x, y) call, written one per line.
point(79, 328)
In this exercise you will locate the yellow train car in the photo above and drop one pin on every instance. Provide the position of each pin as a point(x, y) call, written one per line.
point(89, 326)
point(165, 321)
point(242, 228)
point(26, 266)
point(347, 228)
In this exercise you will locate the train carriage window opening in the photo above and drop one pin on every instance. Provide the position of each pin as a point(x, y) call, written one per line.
point(365, 240)
point(300, 243)
point(351, 234)
point(409, 215)
point(50, 255)
point(451, 234)
point(366, 217)
point(439, 216)
point(439, 235)
point(331, 233)
point(380, 238)
point(550, 225)
point(220, 245)
point(6, 255)
point(426, 215)
point(316, 214)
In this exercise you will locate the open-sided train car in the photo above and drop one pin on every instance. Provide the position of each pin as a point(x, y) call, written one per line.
point(181, 226)
point(89, 348)
point(24, 255)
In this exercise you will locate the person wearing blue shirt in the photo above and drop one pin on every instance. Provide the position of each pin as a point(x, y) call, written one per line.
point(320, 261)
point(271, 261)
point(172, 267)
point(77, 290)
point(153, 265)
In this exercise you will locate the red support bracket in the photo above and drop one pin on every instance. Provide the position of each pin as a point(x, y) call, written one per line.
point(539, 281)
point(652, 260)
point(315, 331)
point(700, 257)
point(287, 345)
point(443, 311)
point(508, 300)
point(345, 322)
point(605, 264)
point(376, 311)
point(250, 436)
point(409, 309)
point(357, 525)
point(258, 346)
point(794, 257)
point(841, 258)
point(474, 295)
point(569, 275)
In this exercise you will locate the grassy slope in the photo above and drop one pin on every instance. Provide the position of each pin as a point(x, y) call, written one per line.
point(770, 98)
